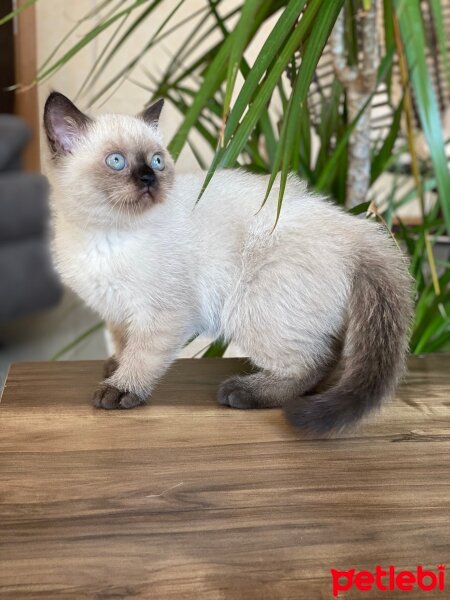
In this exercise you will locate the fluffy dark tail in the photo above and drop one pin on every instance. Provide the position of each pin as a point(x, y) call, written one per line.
point(373, 355)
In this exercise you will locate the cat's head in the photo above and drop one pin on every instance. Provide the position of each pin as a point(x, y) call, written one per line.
point(109, 166)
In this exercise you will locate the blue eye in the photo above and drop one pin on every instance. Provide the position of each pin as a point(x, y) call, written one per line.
point(157, 162)
point(116, 161)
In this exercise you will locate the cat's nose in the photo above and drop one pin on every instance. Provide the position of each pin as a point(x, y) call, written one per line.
point(148, 179)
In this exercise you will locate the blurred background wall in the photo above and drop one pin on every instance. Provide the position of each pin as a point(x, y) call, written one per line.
point(54, 18)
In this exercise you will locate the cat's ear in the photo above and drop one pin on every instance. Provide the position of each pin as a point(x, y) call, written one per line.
point(151, 113)
point(64, 124)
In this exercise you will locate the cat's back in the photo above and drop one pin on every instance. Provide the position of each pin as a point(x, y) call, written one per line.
point(229, 190)
point(239, 193)
point(236, 199)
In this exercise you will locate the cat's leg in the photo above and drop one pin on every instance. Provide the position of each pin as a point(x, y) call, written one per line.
point(118, 336)
point(142, 361)
point(265, 389)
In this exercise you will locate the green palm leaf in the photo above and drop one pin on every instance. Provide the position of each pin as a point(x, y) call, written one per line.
point(411, 28)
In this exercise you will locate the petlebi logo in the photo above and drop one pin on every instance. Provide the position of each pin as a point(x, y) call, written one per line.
point(388, 579)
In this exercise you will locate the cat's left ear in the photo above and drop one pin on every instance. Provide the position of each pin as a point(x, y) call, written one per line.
point(151, 114)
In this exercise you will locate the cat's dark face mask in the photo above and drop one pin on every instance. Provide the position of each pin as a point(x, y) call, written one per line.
point(145, 178)
point(120, 158)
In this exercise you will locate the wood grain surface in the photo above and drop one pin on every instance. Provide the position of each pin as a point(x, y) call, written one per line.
point(186, 499)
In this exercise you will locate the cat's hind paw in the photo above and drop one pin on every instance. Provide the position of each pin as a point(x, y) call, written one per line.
point(109, 397)
point(234, 393)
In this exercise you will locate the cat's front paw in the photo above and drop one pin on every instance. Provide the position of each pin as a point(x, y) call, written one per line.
point(110, 366)
point(109, 397)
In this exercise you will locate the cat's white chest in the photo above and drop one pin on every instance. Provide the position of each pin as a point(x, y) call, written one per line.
point(102, 270)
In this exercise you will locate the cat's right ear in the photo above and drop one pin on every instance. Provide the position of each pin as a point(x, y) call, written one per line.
point(64, 124)
point(151, 113)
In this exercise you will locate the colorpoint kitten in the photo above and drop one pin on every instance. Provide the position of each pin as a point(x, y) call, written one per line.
point(325, 297)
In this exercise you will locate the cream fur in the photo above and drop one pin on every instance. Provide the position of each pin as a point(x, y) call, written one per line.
point(217, 267)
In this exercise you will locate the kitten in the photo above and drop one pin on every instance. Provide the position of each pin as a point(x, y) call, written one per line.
point(323, 297)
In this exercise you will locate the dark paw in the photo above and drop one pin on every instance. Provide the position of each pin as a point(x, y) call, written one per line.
point(110, 397)
point(234, 393)
point(110, 366)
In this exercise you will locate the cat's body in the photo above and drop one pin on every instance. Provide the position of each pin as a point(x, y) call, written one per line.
point(323, 291)
point(206, 258)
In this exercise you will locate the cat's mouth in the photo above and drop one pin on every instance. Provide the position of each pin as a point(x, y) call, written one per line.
point(143, 198)
point(148, 193)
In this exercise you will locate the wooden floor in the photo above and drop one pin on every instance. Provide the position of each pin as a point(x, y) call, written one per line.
point(186, 499)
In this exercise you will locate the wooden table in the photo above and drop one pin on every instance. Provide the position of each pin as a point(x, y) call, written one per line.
point(186, 499)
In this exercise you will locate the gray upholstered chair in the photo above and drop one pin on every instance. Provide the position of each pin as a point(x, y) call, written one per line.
point(27, 280)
